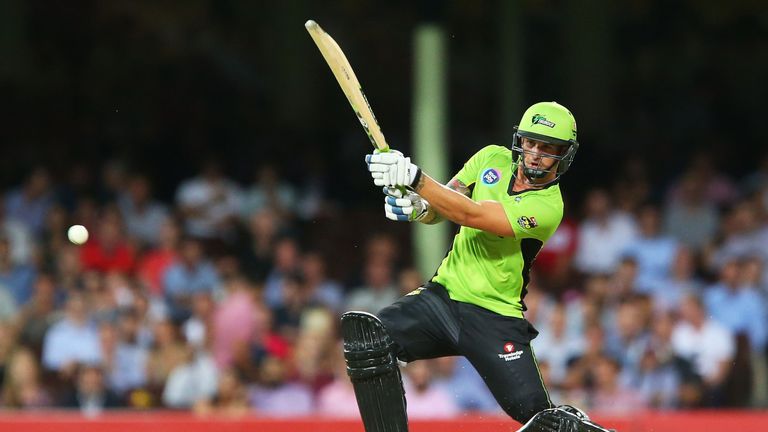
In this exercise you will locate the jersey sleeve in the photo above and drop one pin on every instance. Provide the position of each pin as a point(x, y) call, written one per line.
point(533, 217)
point(469, 172)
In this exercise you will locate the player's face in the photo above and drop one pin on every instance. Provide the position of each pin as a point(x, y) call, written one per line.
point(540, 155)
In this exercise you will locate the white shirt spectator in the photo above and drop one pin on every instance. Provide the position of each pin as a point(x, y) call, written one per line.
point(601, 244)
point(191, 382)
point(706, 347)
point(215, 203)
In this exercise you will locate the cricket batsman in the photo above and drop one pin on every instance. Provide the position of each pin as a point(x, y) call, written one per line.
point(508, 203)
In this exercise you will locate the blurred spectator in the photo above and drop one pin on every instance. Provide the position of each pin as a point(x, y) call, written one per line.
point(154, 263)
point(31, 201)
point(22, 386)
point(192, 273)
point(269, 192)
point(230, 399)
point(337, 399)
point(197, 329)
point(275, 395)
point(743, 235)
point(661, 372)
point(458, 378)
point(193, 381)
point(257, 245)
point(287, 260)
point(19, 237)
point(604, 234)
point(611, 396)
point(378, 290)
point(627, 339)
point(556, 345)
point(716, 187)
point(209, 203)
point(316, 336)
point(109, 249)
point(323, 290)
point(653, 252)
point(72, 340)
point(426, 400)
point(91, 395)
point(705, 343)
point(39, 313)
point(738, 307)
point(408, 280)
point(688, 216)
point(235, 320)
point(17, 278)
point(296, 301)
point(143, 216)
point(7, 345)
point(682, 281)
point(168, 351)
point(555, 260)
point(126, 365)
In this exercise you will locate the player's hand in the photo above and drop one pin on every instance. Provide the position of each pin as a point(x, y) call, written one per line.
point(405, 207)
point(392, 169)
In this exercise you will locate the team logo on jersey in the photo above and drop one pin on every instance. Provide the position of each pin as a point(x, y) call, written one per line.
point(527, 222)
point(509, 353)
point(491, 176)
point(542, 120)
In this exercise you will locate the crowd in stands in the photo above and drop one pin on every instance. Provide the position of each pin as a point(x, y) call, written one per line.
point(216, 303)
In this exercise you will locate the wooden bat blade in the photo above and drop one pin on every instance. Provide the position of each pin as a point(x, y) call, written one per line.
point(346, 78)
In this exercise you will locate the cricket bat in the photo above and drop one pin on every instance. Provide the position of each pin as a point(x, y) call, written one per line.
point(344, 74)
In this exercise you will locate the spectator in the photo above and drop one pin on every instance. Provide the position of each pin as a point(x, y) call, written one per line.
point(39, 313)
point(230, 399)
point(16, 278)
point(611, 396)
point(156, 261)
point(275, 395)
point(653, 252)
point(337, 399)
point(269, 192)
point(22, 387)
point(705, 343)
point(91, 396)
point(109, 250)
point(378, 290)
point(144, 217)
point(557, 346)
point(193, 381)
point(236, 320)
point(738, 307)
point(688, 216)
point(457, 377)
point(296, 301)
point(682, 281)
point(287, 260)
point(554, 262)
point(209, 203)
point(192, 273)
point(72, 340)
point(126, 365)
point(197, 329)
point(322, 289)
point(627, 338)
point(256, 250)
point(19, 237)
point(31, 202)
point(425, 400)
point(603, 235)
point(168, 352)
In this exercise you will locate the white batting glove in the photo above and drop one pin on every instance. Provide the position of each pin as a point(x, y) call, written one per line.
point(392, 169)
point(408, 207)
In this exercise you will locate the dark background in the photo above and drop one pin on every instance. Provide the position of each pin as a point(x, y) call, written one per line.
point(165, 85)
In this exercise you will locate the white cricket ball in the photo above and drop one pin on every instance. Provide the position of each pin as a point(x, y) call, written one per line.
point(77, 234)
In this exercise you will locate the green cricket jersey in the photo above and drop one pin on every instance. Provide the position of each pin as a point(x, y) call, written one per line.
point(492, 271)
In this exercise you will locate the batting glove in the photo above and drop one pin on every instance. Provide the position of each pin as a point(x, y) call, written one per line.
point(392, 169)
point(405, 207)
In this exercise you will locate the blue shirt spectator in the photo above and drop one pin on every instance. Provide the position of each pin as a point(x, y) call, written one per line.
point(740, 309)
point(72, 340)
point(653, 252)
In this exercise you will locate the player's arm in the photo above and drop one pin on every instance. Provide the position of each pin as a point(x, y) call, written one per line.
point(433, 216)
point(450, 203)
